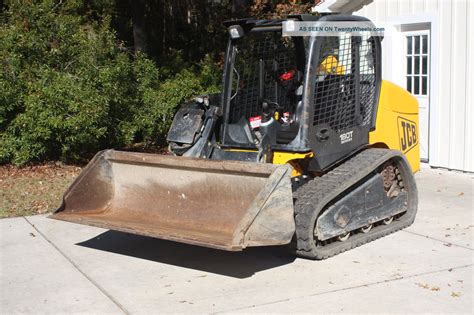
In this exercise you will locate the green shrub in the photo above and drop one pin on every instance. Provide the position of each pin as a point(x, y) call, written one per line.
point(159, 100)
point(68, 88)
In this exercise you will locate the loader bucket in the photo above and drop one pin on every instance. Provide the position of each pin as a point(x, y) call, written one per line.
point(221, 204)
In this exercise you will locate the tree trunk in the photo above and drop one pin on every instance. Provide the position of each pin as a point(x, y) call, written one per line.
point(139, 26)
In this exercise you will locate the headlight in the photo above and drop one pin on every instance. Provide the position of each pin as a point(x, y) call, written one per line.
point(236, 31)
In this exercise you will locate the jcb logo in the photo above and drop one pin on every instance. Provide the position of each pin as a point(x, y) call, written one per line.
point(407, 133)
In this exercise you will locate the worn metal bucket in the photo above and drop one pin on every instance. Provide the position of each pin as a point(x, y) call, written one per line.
point(222, 204)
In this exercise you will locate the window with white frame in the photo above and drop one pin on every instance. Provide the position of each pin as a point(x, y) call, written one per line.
point(417, 63)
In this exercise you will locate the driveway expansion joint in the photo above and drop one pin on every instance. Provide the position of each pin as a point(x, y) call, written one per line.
point(438, 240)
point(346, 289)
point(94, 283)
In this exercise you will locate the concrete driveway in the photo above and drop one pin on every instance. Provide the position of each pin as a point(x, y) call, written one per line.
point(50, 266)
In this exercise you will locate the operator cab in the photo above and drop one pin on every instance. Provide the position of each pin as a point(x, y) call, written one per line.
point(301, 94)
point(304, 93)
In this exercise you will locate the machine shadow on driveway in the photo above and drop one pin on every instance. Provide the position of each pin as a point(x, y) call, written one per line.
point(241, 265)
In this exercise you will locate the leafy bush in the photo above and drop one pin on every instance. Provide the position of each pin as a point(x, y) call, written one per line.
point(68, 88)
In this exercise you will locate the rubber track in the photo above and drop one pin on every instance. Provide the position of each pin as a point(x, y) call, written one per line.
point(314, 195)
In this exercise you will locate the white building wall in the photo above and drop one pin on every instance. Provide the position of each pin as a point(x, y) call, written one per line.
point(452, 82)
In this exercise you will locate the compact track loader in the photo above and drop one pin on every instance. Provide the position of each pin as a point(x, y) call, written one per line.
point(305, 145)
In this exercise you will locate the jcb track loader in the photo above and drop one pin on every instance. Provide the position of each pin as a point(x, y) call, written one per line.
point(305, 145)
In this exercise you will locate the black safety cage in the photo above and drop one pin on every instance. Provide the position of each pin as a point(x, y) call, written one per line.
point(339, 77)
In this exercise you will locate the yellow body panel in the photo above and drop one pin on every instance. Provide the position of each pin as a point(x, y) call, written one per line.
point(397, 123)
point(289, 157)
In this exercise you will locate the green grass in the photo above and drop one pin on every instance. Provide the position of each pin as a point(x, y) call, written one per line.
point(33, 190)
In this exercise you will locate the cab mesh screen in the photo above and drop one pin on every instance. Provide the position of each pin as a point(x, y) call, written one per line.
point(339, 101)
point(278, 55)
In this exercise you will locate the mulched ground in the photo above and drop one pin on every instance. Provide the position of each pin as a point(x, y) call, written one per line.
point(34, 189)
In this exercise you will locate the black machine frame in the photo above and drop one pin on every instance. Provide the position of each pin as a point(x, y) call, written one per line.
point(319, 138)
